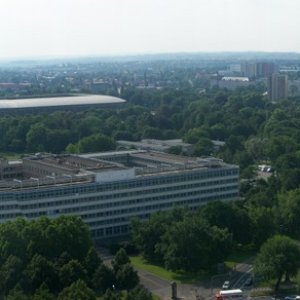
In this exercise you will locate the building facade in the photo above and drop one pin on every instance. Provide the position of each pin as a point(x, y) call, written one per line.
point(108, 189)
point(277, 87)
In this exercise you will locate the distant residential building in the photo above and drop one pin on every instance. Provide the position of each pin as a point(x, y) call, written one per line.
point(277, 87)
point(248, 69)
point(258, 69)
point(264, 69)
point(235, 68)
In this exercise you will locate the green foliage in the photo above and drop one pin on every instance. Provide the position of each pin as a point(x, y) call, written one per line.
point(126, 277)
point(278, 256)
point(110, 295)
point(42, 256)
point(77, 290)
point(92, 261)
point(71, 272)
point(39, 270)
point(10, 273)
point(263, 224)
point(43, 293)
point(229, 216)
point(289, 210)
point(96, 142)
point(120, 259)
point(103, 278)
point(17, 294)
point(210, 245)
point(167, 237)
point(138, 293)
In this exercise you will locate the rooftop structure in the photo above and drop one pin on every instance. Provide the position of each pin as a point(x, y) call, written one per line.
point(68, 102)
point(235, 78)
point(108, 189)
point(157, 145)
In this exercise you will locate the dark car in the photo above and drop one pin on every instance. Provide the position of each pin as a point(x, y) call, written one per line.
point(249, 281)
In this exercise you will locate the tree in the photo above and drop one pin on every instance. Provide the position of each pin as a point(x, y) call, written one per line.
point(120, 259)
point(71, 272)
point(203, 147)
point(17, 294)
point(43, 293)
point(103, 278)
point(110, 295)
point(127, 278)
point(210, 245)
point(10, 273)
point(36, 138)
point(289, 210)
point(92, 261)
point(78, 290)
point(227, 215)
point(146, 235)
point(279, 256)
point(195, 134)
point(96, 142)
point(262, 223)
point(39, 271)
point(138, 293)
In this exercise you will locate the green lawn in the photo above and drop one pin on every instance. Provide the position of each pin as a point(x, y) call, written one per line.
point(180, 277)
point(239, 256)
point(10, 156)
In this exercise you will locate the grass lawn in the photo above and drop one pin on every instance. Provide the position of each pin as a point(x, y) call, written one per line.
point(10, 156)
point(180, 277)
point(237, 257)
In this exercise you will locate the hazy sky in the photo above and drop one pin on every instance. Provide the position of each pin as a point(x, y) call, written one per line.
point(30, 28)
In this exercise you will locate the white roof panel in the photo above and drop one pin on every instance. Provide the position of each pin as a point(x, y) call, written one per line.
point(59, 101)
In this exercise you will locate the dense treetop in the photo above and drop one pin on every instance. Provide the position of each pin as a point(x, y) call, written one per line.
point(55, 259)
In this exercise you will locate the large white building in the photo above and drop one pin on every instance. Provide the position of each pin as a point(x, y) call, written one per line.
point(108, 189)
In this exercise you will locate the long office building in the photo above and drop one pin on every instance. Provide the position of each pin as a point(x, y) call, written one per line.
point(108, 189)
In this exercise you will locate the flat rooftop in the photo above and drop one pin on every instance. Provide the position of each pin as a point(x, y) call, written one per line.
point(79, 100)
point(44, 169)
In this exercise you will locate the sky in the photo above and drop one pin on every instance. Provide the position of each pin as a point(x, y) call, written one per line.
point(75, 28)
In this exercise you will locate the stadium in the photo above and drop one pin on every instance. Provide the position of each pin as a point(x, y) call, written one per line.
point(48, 104)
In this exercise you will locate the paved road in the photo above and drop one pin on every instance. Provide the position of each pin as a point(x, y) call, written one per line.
point(204, 290)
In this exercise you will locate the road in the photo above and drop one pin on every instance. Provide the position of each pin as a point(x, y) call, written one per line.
point(204, 290)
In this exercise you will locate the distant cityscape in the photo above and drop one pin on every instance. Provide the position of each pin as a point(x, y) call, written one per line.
point(112, 76)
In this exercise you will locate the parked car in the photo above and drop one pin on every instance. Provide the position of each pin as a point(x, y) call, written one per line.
point(249, 281)
point(292, 297)
point(226, 285)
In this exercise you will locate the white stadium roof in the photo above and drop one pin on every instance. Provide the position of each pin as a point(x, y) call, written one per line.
point(59, 101)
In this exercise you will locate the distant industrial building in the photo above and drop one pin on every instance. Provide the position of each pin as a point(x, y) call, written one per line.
point(79, 102)
point(157, 145)
point(108, 189)
point(277, 87)
point(232, 83)
point(164, 145)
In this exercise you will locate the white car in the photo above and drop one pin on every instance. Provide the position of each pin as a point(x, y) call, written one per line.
point(226, 286)
point(292, 297)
